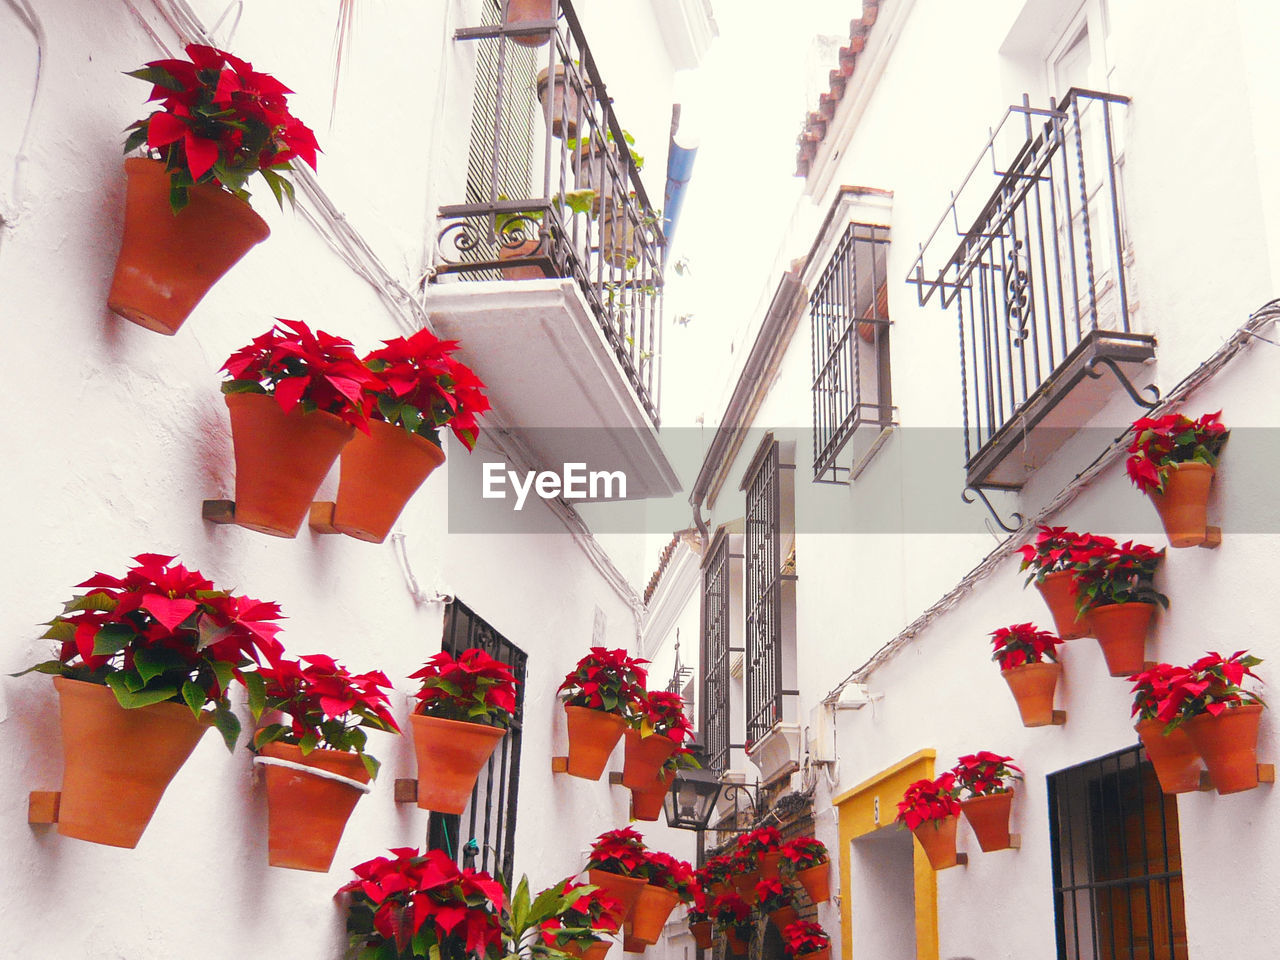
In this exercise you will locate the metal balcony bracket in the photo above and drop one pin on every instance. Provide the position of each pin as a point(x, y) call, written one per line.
point(978, 493)
point(1096, 374)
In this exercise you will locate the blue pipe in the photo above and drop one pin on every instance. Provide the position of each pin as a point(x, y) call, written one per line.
point(679, 170)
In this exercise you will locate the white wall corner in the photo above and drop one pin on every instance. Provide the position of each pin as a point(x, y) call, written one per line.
point(688, 27)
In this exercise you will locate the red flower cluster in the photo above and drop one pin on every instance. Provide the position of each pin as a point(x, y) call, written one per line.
point(771, 895)
point(927, 800)
point(749, 846)
point(474, 688)
point(730, 910)
point(299, 366)
point(803, 937)
point(426, 388)
point(984, 773)
point(1056, 549)
point(1210, 685)
point(717, 870)
point(699, 908)
point(1023, 643)
point(805, 852)
point(670, 873)
point(1172, 439)
point(419, 901)
point(607, 680)
point(662, 713)
point(1106, 573)
point(620, 851)
point(595, 910)
point(220, 122)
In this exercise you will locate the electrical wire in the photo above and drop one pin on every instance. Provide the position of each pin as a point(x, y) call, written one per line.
point(27, 14)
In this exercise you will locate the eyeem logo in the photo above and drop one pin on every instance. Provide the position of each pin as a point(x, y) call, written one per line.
point(574, 483)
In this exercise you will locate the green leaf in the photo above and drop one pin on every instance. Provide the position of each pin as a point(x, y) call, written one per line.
point(308, 742)
point(193, 694)
point(132, 699)
point(209, 632)
point(225, 673)
point(227, 724)
point(60, 630)
point(370, 764)
point(177, 195)
point(111, 638)
point(136, 140)
point(53, 667)
point(256, 689)
point(151, 663)
point(90, 601)
point(156, 75)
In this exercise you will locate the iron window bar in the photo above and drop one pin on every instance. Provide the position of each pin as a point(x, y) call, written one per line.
point(590, 217)
point(764, 579)
point(716, 620)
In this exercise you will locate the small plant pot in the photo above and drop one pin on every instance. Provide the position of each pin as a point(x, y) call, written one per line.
point(643, 758)
point(745, 885)
point(1182, 506)
point(938, 840)
point(566, 104)
point(1228, 743)
point(823, 954)
point(653, 907)
point(596, 951)
point(169, 261)
point(646, 804)
point(307, 814)
point(626, 890)
point(117, 762)
point(532, 247)
point(1033, 686)
point(768, 863)
point(618, 236)
point(703, 938)
point(735, 943)
point(632, 944)
point(451, 754)
point(592, 736)
point(783, 917)
point(988, 817)
point(281, 460)
point(1121, 632)
point(1060, 598)
point(1176, 762)
point(522, 11)
point(379, 472)
point(816, 881)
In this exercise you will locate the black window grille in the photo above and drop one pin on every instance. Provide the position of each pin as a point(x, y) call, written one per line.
point(1117, 862)
point(490, 818)
point(764, 594)
point(849, 310)
point(715, 655)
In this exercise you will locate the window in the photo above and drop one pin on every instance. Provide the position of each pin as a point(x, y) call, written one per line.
point(849, 310)
point(1117, 863)
point(497, 789)
point(716, 619)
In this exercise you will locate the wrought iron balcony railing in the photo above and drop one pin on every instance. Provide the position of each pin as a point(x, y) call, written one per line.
point(561, 197)
point(1037, 279)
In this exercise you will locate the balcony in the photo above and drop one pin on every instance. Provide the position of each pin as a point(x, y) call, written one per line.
point(551, 270)
point(1037, 282)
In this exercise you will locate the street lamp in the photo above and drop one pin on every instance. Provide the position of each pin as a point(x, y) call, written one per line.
point(692, 797)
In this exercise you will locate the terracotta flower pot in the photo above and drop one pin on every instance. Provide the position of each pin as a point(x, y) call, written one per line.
point(632, 944)
point(653, 906)
point(702, 936)
point(1176, 762)
point(938, 840)
point(566, 106)
point(522, 11)
point(626, 890)
point(1061, 601)
point(168, 262)
point(281, 460)
point(596, 951)
point(646, 804)
point(767, 863)
point(643, 758)
point(1121, 631)
point(117, 762)
point(380, 471)
point(783, 917)
point(592, 736)
point(988, 816)
point(736, 944)
point(823, 954)
point(532, 247)
point(1033, 686)
point(451, 754)
point(816, 881)
point(745, 885)
point(1228, 743)
point(618, 244)
point(718, 890)
point(306, 814)
point(1182, 505)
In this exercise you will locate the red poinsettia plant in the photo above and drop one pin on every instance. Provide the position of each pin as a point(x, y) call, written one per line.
point(928, 801)
point(1108, 573)
point(1210, 686)
point(590, 914)
point(606, 680)
point(804, 936)
point(1023, 643)
point(1161, 442)
point(804, 852)
point(716, 870)
point(473, 688)
point(984, 773)
point(1055, 549)
point(303, 368)
point(163, 633)
point(772, 895)
point(661, 713)
point(413, 905)
point(220, 122)
point(425, 388)
point(749, 846)
point(699, 905)
point(620, 851)
point(730, 912)
point(670, 873)
point(323, 706)
point(1151, 689)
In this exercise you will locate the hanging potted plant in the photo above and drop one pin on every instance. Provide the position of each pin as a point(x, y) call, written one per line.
point(1220, 717)
point(412, 906)
point(421, 389)
point(656, 726)
point(1172, 460)
point(1176, 762)
point(187, 215)
point(807, 860)
point(619, 864)
point(296, 397)
point(931, 809)
point(806, 939)
point(1029, 664)
point(647, 801)
point(698, 915)
point(143, 668)
point(567, 94)
point(464, 708)
point(756, 855)
point(598, 695)
point(312, 747)
point(732, 917)
point(716, 873)
point(579, 928)
point(1115, 591)
point(1051, 560)
point(668, 884)
point(776, 901)
point(525, 11)
point(988, 782)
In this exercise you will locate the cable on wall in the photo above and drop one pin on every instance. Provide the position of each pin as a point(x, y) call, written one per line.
point(27, 14)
